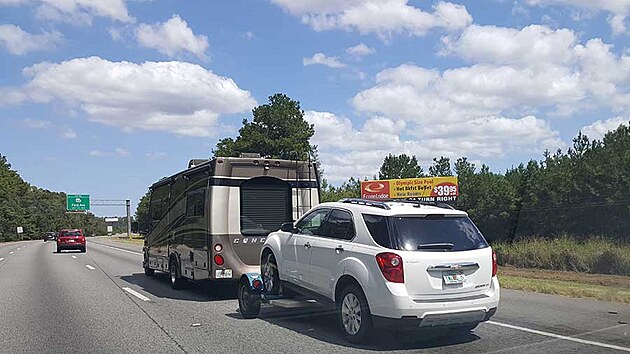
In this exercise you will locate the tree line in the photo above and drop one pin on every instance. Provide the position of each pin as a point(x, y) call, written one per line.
point(36, 210)
point(582, 192)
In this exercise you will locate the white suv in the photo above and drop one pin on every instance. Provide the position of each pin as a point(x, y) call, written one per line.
point(401, 263)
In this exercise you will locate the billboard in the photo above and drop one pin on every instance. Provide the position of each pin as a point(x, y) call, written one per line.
point(434, 189)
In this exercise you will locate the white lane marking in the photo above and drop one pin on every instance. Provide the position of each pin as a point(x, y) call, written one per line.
point(89, 267)
point(558, 336)
point(75, 257)
point(18, 248)
point(11, 252)
point(136, 294)
point(1, 259)
point(118, 249)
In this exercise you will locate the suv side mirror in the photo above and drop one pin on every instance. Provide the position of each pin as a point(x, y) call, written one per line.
point(287, 227)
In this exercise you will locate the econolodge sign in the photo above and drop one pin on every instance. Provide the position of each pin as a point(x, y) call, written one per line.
point(434, 189)
point(78, 202)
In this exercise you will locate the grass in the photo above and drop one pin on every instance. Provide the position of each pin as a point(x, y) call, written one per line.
point(595, 255)
point(581, 285)
point(133, 241)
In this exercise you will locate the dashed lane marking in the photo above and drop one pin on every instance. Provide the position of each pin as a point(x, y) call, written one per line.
point(136, 294)
point(89, 267)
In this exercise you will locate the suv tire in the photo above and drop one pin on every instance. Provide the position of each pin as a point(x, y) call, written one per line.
point(177, 282)
point(354, 314)
point(269, 270)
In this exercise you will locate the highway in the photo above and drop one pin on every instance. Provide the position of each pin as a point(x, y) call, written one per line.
point(101, 302)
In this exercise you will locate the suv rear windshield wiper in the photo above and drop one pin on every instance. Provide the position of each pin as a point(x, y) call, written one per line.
point(436, 246)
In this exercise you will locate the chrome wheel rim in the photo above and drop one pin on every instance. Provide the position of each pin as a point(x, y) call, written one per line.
point(268, 275)
point(351, 314)
point(172, 275)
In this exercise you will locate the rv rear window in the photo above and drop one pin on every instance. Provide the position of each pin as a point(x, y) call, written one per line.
point(265, 205)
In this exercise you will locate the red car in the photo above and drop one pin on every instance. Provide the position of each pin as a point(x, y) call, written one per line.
point(71, 239)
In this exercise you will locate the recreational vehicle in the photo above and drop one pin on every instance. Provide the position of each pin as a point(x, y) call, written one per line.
point(211, 220)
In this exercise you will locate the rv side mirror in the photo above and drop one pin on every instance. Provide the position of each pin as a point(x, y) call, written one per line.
point(287, 227)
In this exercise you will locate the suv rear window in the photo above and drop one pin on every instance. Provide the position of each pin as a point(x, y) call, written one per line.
point(430, 233)
point(70, 233)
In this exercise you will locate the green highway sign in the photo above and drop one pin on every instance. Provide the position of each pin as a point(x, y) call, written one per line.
point(78, 202)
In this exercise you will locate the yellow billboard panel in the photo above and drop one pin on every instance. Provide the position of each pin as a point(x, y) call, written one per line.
point(440, 189)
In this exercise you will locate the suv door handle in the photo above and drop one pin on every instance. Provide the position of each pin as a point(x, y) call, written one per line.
point(339, 249)
point(307, 245)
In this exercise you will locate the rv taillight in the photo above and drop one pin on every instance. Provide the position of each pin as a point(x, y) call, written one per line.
point(218, 247)
point(218, 259)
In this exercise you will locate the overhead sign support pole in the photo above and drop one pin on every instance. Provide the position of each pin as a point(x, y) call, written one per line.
point(128, 202)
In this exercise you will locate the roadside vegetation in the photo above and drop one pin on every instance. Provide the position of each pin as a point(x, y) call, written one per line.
point(592, 255)
point(573, 284)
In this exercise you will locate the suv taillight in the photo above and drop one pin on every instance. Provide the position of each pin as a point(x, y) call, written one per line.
point(391, 266)
point(494, 264)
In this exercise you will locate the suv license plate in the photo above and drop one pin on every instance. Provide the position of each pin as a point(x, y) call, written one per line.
point(453, 278)
point(223, 273)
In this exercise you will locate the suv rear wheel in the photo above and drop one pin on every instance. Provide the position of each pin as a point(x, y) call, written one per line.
point(354, 314)
point(270, 275)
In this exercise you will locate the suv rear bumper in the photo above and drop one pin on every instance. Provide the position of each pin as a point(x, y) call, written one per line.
point(442, 312)
point(456, 319)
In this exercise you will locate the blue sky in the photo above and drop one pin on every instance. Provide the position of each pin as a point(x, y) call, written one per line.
point(105, 97)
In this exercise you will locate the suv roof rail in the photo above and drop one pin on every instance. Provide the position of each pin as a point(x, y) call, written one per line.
point(366, 202)
point(423, 202)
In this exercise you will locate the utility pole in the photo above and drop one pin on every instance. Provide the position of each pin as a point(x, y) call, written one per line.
point(128, 218)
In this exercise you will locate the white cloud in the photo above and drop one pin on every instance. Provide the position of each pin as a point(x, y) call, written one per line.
point(176, 97)
point(537, 66)
point(381, 17)
point(322, 59)
point(598, 129)
point(69, 134)
point(618, 9)
point(36, 124)
point(529, 46)
point(172, 37)
point(97, 153)
point(119, 151)
point(19, 42)
point(360, 50)
point(76, 11)
point(156, 155)
point(122, 152)
point(349, 151)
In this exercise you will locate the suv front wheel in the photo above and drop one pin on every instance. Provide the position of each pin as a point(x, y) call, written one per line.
point(270, 275)
point(354, 314)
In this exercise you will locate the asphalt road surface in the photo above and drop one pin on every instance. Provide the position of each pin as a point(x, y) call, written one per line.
point(101, 302)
